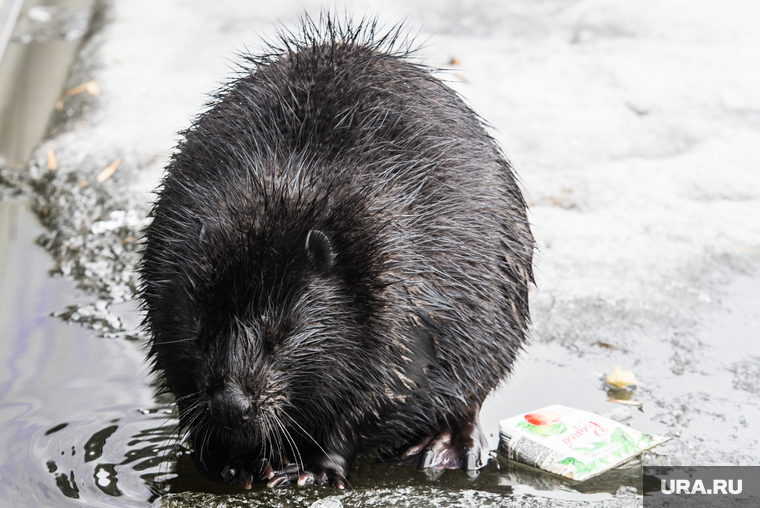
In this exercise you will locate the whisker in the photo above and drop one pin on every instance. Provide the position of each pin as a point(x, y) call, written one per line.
point(162, 452)
point(306, 434)
point(296, 454)
point(204, 440)
point(185, 397)
point(266, 429)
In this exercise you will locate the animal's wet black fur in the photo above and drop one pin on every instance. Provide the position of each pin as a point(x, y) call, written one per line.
point(406, 308)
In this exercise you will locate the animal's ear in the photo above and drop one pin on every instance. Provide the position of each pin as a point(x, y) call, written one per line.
point(320, 249)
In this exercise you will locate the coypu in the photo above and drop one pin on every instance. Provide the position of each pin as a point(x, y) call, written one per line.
point(338, 261)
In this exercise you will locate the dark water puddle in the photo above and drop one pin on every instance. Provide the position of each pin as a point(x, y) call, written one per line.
point(79, 424)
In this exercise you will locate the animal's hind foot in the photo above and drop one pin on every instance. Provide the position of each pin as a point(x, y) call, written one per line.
point(464, 448)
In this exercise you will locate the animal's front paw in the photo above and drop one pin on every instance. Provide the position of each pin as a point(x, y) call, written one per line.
point(308, 476)
point(243, 473)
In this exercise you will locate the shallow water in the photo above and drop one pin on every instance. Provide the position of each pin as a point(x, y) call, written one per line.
point(75, 409)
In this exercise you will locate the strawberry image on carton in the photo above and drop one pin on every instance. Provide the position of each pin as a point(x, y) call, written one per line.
point(571, 443)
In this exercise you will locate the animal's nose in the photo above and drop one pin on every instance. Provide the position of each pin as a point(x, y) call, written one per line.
point(230, 407)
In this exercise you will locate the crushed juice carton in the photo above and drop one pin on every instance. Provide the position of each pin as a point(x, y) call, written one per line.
point(571, 443)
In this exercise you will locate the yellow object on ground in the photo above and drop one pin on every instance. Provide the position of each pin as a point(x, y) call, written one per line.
point(621, 378)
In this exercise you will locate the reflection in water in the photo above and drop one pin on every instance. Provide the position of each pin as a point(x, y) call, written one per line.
point(130, 458)
point(93, 448)
point(105, 479)
point(68, 487)
point(72, 429)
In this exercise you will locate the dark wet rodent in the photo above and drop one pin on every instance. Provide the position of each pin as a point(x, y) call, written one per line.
point(339, 261)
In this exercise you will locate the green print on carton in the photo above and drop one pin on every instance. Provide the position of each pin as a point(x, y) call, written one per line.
point(596, 446)
point(584, 467)
point(578, 466)
point(627, 441)
point(627, 446)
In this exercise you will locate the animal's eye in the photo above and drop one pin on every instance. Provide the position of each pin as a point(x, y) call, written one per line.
point(320, 249)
